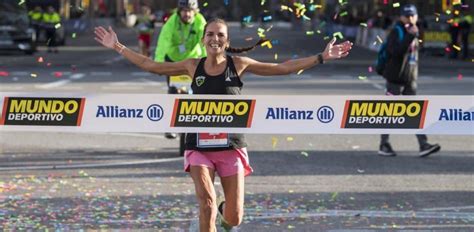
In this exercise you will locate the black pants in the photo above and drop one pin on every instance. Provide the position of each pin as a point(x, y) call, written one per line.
point(51, 36)
point(407, 89)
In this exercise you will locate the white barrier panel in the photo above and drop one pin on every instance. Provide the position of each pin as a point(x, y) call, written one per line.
point(237, 114)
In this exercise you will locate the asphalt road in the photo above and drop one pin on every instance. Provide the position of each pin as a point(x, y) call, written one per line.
point(134, 181)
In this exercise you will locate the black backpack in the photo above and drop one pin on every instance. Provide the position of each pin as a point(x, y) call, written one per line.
point(382, 56)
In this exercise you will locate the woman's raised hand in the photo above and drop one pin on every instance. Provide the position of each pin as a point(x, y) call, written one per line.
point(336, 51)
point(106, 37)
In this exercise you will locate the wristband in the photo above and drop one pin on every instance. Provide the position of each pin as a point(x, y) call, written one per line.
point(320, 58)
point(120, 47)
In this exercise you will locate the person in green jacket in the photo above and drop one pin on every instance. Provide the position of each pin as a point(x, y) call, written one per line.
point(180, 38)
point(36, 15)
point(51, 21)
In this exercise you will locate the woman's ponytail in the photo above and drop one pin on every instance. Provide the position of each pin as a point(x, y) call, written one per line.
point(246, 49)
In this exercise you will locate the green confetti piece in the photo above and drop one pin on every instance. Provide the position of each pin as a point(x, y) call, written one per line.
point(310, 33)
point(305, 154)
point(363, 24)
point(73, 35)
point(362, 77)
point(396, 4)
point(57, 26)
point(343, 13)
point(338, 35)
point(205, 4)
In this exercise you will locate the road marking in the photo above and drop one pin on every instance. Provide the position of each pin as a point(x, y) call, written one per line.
point(141, 74)
point(122, 87)
point(59, 83)
point(451, 208)
point(75, 166)
point(113, 60)
point(101, 73)
point(54, 84)
point(20, 73)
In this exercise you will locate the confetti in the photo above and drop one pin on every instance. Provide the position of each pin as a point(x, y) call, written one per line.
point(334, 195)
point(379, 39)
point(338, 34)
point(267, 18)
point(4, 74)
point(299, 72)
point(40, 59)
point(362, 78)
point(248, 39)
point(459, 76)
point(21, 2)
point(310, 33)
point(58, 74)
point(289, 139)
point(267, 44)
point(276, 56)
point(370, 69)
point(342, 14)
point(457, 47)
point(205, 4)
point(73, 35)
point(34, 75)
point(396, 4)
point(58, 25)
point(305, 154)
point(360, 170)
point(274, 142)
point(262, 2)
point(363, 24)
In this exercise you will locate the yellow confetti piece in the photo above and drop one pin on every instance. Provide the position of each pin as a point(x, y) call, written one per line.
point(33, 75)
point(291, 227)
point(379, 39)
point(58, 25)
point(274, 142)
point(283, 7)
point(457, 48)
point(205, 4)
point(276, 56)
point(268, 44)
point(363, 24)
point(362, 77)
point(343, 13)
point(299, 72)
point(21, 2)
point(310, 33)
point(305, 154)
point(396, 4)
point(289, 139)
point(73, 35)
point(291, 191)
point(262, 2)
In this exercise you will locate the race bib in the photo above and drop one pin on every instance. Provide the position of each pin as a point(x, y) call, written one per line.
point(212, 140)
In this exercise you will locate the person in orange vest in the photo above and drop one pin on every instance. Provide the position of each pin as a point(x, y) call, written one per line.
point(51, 21)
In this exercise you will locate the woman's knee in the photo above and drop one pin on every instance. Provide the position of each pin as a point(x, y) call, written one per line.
point(207, 203)
point(235, 219)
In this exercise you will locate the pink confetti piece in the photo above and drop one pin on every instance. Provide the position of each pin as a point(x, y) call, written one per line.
point(370, 69)
point(40, 59)
point(459, 76)
point(4, 74)
point(58, 74)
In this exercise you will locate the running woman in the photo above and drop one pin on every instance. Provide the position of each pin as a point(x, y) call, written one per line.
point(219, 73)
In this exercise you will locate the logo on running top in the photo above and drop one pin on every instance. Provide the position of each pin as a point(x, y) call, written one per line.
point(325, 114)
point(213, 113)
point(200, 80)
point(39, 111)
point(399, 114)
point(153, 112)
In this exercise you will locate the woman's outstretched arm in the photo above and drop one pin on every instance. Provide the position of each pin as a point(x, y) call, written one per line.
point(108, 38)
point(332, 52)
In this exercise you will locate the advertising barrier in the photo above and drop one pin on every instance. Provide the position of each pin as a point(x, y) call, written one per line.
point(251, 114)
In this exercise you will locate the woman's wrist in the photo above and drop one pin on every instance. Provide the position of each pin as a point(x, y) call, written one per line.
point(119, 47)
point(320, 58)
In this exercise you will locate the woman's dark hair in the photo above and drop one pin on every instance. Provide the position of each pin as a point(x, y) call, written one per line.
point(231, 49)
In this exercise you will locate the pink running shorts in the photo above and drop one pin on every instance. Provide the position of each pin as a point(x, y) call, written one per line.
point(226, 163)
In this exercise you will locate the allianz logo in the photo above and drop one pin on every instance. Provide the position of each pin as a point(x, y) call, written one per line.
point(324, 114)
point(154, 112)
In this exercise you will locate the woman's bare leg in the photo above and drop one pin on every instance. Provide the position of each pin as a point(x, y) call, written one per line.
point(234, 198)
point(203, 178)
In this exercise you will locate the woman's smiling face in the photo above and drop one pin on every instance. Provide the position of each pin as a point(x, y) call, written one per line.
point(216, 38)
